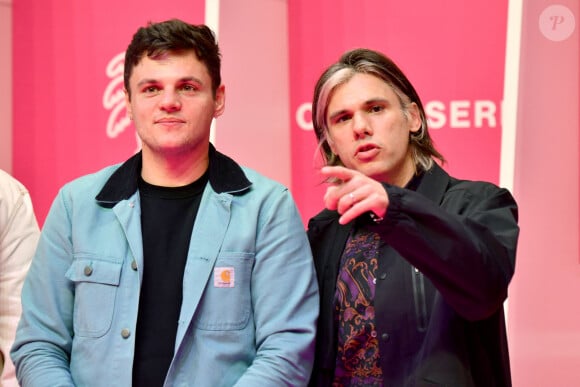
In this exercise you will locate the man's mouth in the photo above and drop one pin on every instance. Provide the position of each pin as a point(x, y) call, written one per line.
point(366, 151)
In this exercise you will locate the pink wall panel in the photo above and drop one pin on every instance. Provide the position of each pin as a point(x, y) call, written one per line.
point(6, 90)
point(255, 128)
point(544, 317)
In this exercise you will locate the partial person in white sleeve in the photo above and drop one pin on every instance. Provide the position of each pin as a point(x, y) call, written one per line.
point(178, 267)
point(413, 264)
point(18, 239)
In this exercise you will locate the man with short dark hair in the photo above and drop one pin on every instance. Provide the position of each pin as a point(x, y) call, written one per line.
point(178, 267)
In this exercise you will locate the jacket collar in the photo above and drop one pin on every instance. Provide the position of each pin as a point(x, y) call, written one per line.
point(225, 175)
point(434, 183)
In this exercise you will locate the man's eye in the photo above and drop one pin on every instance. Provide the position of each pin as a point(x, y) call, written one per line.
point(376, 108)
point(342, 118)
point(151, 89)
point(188, 87)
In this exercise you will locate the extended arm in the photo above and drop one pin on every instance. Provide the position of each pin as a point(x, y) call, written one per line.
point(465, 243)
point(466, 246)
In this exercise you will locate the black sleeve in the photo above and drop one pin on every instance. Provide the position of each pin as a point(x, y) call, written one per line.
point(466, 245)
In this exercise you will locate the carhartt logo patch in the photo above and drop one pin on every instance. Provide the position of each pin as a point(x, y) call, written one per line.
point(223, 277)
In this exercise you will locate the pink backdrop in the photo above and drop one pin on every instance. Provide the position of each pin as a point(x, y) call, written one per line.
point(68, 103)
point(544, 318)
point(452, 51)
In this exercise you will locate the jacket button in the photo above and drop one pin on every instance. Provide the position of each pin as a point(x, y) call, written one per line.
point(385, 337)
point(88, 271)
point(134, 265)
point(125, 333)
point(383, 276)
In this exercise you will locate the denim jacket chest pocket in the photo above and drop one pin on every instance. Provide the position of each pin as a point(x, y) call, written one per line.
point(226, 303)
point(95, 286)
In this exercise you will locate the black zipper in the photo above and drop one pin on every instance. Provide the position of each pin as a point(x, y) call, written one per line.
point(419, 297)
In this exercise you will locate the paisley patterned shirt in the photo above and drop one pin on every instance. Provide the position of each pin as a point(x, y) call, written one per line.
point(357, 360)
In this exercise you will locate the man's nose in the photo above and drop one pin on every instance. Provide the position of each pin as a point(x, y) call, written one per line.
point(171, 101)
point(361, 126)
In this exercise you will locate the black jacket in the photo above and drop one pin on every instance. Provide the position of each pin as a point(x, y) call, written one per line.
point(441, 283)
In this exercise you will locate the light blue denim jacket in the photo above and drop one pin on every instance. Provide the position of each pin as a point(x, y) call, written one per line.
point(80, 298)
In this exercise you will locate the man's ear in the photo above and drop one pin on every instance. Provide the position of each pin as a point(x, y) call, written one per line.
point(128, 104)
point(220, 101)
point(414, 115)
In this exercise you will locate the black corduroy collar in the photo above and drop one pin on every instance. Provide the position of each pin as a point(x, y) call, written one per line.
point(225, 175)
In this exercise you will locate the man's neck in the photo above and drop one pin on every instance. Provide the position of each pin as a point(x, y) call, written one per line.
point(175, 170)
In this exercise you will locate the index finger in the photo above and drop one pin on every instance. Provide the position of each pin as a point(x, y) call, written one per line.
point(337, 172)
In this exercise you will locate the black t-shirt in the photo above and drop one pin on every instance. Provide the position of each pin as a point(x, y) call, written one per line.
point(167, 218)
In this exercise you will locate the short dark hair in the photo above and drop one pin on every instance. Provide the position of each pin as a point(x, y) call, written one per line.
point(174, 35)
point(365, 61)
